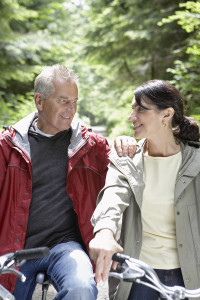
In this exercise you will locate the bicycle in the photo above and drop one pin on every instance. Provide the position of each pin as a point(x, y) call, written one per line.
point(16, 259)
point(43, 279)
point(132, 270)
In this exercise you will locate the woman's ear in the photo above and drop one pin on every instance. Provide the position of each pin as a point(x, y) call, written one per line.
point(167, 115)
point(38, 101)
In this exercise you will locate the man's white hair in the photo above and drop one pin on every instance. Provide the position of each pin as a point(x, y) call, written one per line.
point(44, 81)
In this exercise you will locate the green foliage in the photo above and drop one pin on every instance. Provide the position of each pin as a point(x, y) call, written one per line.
point(187, 18)
point(14, 110)
point(186, 72)
point(114, 45)
point(124, 46)
point(32, 34)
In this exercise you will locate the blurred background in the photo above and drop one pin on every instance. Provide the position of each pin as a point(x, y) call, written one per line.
point(113, 46)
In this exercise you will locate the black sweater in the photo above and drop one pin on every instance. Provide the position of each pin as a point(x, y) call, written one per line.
point(52, 219)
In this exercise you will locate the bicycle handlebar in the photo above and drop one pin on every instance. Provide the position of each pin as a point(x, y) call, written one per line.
point(16, 259)
point(121, 258)
point(132, 270)
point(29, 254)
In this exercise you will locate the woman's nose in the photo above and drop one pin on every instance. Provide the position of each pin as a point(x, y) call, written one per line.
point(132, 116)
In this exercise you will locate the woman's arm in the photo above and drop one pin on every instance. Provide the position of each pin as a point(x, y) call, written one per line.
point(112, 201)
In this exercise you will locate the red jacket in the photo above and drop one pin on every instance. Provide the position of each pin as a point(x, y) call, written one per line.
point(87, 168)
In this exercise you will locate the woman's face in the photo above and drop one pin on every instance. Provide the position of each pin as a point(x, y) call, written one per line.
point(147, 123)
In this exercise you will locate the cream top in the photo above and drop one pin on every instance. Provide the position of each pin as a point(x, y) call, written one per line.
point(159, 248)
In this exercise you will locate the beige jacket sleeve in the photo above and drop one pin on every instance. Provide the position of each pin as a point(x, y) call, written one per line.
point(112, 200)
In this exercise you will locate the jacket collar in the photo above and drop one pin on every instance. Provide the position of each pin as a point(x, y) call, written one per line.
point(79, 136)
point(79, 133)
point(23, 125)
point(190, 165)
point(190, 158)
point(21, 129)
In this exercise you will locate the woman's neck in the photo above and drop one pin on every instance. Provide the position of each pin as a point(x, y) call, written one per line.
point(165, 147)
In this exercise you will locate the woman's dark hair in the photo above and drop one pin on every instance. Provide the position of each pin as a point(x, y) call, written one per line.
point(164, 95)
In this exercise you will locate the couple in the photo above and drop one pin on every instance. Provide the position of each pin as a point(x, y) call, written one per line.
point(53, 167)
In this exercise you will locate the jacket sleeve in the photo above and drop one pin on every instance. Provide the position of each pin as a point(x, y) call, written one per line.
point(102, 150)
point(3, 163)
point(112, 201)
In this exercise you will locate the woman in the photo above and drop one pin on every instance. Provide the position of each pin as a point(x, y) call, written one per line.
point(158, 192)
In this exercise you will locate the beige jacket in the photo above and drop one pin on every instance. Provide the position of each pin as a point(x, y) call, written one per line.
point(122, 194)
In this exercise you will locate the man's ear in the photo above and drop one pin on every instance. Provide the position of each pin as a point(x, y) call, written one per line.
point(38, 101)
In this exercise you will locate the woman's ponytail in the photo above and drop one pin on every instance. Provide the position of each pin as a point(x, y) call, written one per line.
point(187, 130)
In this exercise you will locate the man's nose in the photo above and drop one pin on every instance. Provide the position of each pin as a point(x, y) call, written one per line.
point(70, 106)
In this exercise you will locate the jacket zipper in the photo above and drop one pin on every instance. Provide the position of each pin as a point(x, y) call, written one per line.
point(79, 148)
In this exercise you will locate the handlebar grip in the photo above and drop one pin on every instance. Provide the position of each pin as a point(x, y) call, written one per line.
point(33, 253)
point(119, 257)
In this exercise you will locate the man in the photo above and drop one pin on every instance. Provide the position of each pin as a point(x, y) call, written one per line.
point(52, 168)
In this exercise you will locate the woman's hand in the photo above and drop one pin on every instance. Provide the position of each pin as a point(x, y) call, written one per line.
point(125, 145)
point(101, 249)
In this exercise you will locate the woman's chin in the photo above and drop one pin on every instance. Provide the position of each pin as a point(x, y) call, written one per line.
point(137, 136)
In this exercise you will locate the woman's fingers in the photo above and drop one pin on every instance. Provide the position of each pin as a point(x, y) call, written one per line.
point(101, 250)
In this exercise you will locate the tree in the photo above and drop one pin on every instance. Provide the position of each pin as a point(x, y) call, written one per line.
point(126, 47)
point(33, 33)
point(186, 71)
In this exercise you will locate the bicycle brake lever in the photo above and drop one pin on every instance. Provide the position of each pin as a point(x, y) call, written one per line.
point(16, 272)
point(129, 275)
point(5, 259)
point(116, 275)
point(135, 271)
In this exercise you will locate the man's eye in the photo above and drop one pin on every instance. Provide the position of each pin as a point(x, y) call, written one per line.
point(68, 102)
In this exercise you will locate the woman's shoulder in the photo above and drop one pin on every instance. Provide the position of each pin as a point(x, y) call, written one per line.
point(190, 158)
point(125, 164)
point(191, 147)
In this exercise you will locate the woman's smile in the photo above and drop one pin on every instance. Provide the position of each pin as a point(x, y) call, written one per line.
point(135, 127)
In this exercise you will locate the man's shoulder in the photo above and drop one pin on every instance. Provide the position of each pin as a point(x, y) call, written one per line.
point(7, 132)
point(87, 131)
point(96, 136)
point(100, 142)
point(23, 125)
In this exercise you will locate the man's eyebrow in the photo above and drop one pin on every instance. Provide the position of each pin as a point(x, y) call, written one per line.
point(67, 98)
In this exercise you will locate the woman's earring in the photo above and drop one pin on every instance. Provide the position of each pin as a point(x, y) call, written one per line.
point(164, 124)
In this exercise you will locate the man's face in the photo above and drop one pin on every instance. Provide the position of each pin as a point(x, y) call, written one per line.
point(57, 112)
